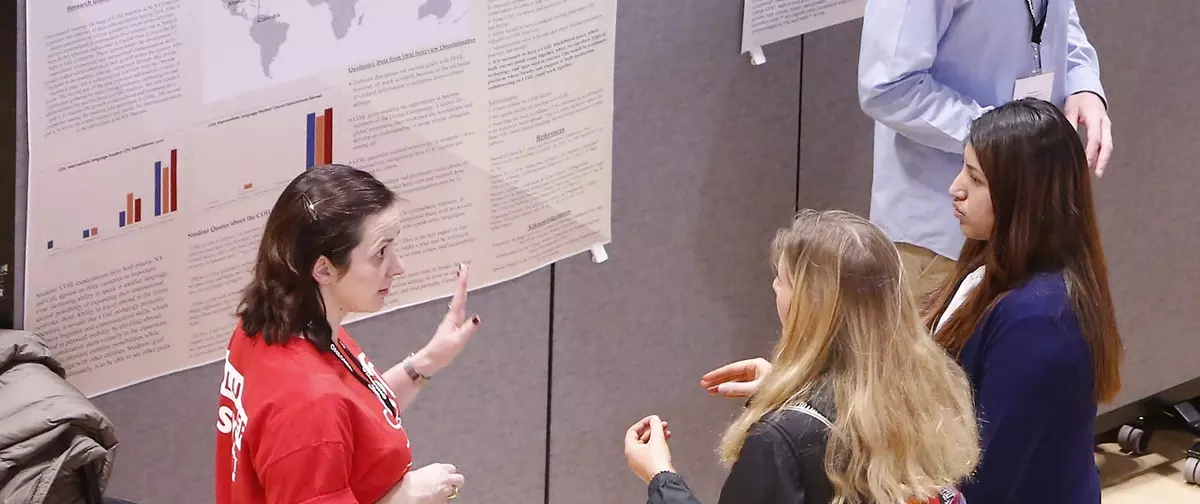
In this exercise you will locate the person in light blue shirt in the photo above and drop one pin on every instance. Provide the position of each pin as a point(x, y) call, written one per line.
point(927, 69)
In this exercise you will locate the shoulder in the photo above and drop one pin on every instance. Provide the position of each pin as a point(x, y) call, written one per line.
point(1036, 323)
point(293, 357)
point(1044, 294)
point(800, 430)
point(292, 379)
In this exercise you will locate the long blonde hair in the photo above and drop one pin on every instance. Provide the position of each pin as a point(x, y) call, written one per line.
point(905, 426)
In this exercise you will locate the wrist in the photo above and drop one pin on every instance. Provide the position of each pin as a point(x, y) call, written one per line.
point(422, 363)
point(662, 476)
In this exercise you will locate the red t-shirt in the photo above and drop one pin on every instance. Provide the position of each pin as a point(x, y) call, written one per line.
point(295, 426)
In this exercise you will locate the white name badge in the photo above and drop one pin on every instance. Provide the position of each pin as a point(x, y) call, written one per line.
point(1039, 86)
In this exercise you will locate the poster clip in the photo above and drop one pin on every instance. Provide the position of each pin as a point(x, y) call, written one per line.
point(599, 255)
point(756, 56)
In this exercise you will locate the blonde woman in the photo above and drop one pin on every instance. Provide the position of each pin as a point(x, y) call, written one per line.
point(860, 406)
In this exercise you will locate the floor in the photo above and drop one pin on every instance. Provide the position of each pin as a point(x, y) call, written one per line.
point(1152, 478)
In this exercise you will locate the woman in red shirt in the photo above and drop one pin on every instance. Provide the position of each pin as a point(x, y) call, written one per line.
point(304, 415)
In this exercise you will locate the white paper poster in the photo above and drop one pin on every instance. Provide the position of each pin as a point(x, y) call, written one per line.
point(161, 133)
point(768, 21)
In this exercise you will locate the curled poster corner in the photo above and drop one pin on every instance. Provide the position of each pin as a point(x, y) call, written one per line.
point(757, 57)
point(599, 255)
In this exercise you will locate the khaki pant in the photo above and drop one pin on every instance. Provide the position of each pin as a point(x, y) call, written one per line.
point(925, 269)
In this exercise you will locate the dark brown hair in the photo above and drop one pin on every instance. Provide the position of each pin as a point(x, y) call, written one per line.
point(320, 213)
point(1040, 185)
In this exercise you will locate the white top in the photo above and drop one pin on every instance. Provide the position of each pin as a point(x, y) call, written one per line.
point(968, 284)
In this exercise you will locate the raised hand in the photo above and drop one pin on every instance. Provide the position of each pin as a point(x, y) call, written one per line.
point(452, 334)
point(738, 379)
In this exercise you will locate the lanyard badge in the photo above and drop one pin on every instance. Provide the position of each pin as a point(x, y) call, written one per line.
point(359, 373)
point(1035, 40)
point(1039, 84)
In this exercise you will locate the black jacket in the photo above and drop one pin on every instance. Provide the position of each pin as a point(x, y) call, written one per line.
point(782, 462)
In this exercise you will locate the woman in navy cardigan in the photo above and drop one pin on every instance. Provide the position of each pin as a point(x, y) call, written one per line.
point(1027, 311)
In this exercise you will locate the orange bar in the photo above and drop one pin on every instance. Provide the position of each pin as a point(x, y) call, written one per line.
point(320, 138)
point(247, 186)
point(129, 208)
point(166, 192)
point(95, 231)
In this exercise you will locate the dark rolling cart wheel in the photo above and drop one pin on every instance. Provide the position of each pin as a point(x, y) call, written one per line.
point(1134, 439)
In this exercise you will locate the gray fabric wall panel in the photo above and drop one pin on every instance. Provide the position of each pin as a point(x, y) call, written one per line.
point(486, 413)
point(835, 135)
point(703, 172)
point(1147, 198)
point(167, 430)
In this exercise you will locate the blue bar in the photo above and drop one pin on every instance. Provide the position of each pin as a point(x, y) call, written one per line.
point(122, 219)
point(312, 141)
point(50, 244)
point(157, 188)
point(86, 233)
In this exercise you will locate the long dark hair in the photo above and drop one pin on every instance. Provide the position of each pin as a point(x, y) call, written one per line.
point(320, 213)
point(1045, 221)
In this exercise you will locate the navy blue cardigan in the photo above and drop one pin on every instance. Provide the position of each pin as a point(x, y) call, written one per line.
point(1031, 372)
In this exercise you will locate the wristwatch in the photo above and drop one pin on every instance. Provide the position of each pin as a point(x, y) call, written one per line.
point(413, 374)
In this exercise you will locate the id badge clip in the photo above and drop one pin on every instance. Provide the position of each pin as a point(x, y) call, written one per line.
point(1039, 85)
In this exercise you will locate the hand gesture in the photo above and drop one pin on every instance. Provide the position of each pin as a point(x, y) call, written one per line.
point(432, 484)
point(646, 449)
point(739, 379)
point(452, 334)
point(1088, 109)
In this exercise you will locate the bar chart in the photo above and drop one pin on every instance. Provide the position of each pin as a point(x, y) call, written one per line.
point(166, 193)
point(283, 141)
point(319, 138)
point(127, 188)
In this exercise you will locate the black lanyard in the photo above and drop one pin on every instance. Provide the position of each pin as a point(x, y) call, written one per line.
point(359, 373)
point(1035, 38)
point(1038, 25)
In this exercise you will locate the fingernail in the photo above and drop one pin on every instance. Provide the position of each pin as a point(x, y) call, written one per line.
point(475, 320)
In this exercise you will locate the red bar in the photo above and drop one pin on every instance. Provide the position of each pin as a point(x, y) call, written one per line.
point(129, 208)
point(137, 210)
point(174, 183)
point(328, 136)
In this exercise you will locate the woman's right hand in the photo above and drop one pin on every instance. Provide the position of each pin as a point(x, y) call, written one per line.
point(452, 334)
point(739, 379)
point(432, 484)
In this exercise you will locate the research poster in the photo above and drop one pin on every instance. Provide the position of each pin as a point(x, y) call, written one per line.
point(769, 21)
point(161, 133)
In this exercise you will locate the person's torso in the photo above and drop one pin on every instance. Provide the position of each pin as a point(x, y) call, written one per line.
point(805, 430)
point(1061, 468)
point(260, 379)
point(984, 51)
